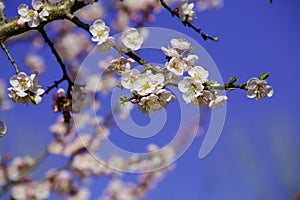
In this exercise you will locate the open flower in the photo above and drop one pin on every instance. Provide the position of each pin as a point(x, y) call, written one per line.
point(34, 16)
point(199, 74)
point(99, 31)
point(121, 64)
point(25, 88)
point(258, 89)
point(149, 104)
point(132, 39)
point(176, 65)
point(190, 88)
point(180, 44)
point(186, 12)
point(129, 77)
point(218, 101)
point(147, 83)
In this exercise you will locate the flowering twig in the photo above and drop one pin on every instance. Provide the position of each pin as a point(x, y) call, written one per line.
point(25, 171)
point(130, 54)
point(187, 23)
point(9, 57)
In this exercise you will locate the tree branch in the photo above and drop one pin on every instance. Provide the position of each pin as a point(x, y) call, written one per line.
point(56, 11)
point(59, 60)
point(9, 57)
point(187, 23)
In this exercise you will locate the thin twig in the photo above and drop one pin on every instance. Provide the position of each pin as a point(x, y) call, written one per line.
point(55, 85)
point(187, 23)
point(9, 57)
point(59, 60)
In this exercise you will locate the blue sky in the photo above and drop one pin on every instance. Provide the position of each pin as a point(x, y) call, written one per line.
point(257, 156)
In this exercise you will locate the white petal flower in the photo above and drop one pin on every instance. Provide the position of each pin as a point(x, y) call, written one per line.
point(25, 88)
point(180, 44)
point(176, 65)
point(218, 102)
point(170, 52)
point(258, 89)
point(190, 60)
point(149, 104)
point(129, 77)
point(199, 74)
point(99, 31)
point(147, 82)
point(42, 190)
point(190, 88)
point(203, 99)
point(32, 17)
point(19, 191)
point(165, 97)
point(186, 12)
point(132, 39)
point(42, 12)
point(121, 64)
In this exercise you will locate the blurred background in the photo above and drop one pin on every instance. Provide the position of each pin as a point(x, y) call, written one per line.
point(258, 154)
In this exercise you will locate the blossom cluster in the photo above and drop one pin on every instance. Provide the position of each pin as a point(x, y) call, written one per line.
point(32, 17)
point(149, 86)
point(25, 89)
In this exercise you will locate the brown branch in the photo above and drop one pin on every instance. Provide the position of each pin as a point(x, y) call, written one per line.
point(187, 23)
point(57, 11)
point(9, 57)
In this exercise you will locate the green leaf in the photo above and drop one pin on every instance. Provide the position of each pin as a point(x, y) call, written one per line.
point(264, 76)
point(271, 1)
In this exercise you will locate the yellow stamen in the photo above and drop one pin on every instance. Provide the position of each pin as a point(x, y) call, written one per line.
point(146, 86)
point(31, 13)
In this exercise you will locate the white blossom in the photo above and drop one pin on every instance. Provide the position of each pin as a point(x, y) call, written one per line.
point(132, 39)
point(121, 64)
point(149, 104)
point(99, 31)
point(176, 65)
point(203, 99)
point(25, 88)
point(165, 97)
point(186, 12)
point(170, 52)
point(190, 88)
point(258, 89)
point(42, 190)
point(198, 73)
point(86, 164)
point(218, 101)
point(18, 164)
point(180, 44)
point(32, 17)
point(129, 77)
point(147, 82)
point(18, 192)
